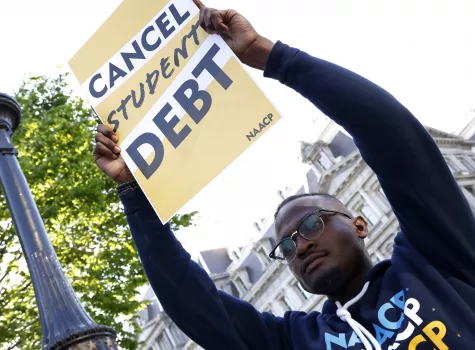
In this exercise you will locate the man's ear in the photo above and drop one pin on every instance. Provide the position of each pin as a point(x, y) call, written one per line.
point(361, 227)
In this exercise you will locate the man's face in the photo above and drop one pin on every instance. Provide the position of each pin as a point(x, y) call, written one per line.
point(324, 265)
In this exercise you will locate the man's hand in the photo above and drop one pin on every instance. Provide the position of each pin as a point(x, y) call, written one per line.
point(250, 47)
point(107, 156)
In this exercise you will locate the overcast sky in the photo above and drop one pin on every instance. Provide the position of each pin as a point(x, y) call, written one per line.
point(422, 52)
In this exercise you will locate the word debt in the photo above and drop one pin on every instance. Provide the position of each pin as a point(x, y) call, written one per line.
point(150, 40)
point(187, 96)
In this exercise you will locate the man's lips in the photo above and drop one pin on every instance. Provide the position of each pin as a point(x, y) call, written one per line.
point(311, 262)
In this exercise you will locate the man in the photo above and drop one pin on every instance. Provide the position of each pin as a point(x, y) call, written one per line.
point(423, 298)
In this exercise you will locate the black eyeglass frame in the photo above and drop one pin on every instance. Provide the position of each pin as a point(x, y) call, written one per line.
point(291, 237)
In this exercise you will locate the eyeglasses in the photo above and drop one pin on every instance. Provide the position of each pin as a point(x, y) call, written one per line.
point(309, 228)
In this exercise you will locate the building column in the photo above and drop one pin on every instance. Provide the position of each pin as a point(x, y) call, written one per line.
point(170, 336)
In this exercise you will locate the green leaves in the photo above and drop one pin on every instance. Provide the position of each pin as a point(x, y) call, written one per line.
point(81, 213)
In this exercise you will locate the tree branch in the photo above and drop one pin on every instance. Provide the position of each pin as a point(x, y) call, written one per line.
point(9, 268)
point(4, 301)
point(19, 340)
point(14, 345)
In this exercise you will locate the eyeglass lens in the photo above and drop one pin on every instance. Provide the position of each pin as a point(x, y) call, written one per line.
point(287, 250)
point(310, 228)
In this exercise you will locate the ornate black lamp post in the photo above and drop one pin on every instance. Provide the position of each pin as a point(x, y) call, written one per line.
point(64, 322)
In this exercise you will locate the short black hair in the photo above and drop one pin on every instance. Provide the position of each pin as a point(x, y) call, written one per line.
point(296, 196)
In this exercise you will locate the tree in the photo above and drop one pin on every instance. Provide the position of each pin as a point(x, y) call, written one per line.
point(81, 213)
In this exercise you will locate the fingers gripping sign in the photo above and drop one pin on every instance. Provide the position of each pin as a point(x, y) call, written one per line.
point(251, 48)
point(107, 155)
point(212, 20)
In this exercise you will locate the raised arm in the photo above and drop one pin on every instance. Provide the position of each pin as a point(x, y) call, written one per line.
point(212, 318)
point(421, 189)
point(430, 207)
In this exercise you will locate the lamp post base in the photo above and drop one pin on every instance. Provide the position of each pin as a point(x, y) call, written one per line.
point(94, 343)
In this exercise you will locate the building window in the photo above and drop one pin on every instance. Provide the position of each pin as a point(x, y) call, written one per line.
point(264, 257)
point(240, 286)
point(369, 214)
point(305, 295)
point(324, 161)
point(468, 163)
point(285, 302)
point(163, 342)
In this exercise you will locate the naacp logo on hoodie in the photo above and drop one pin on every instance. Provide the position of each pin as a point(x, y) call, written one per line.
point(415, 332)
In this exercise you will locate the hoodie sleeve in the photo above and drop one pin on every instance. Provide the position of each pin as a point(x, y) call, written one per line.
point(430, 206)
point(212, 318)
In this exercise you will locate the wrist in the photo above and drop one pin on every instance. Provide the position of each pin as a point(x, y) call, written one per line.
point(259, 53)
point(127, 186)
point(124, 177)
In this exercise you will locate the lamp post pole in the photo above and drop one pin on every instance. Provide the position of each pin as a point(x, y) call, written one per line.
point(65, 323)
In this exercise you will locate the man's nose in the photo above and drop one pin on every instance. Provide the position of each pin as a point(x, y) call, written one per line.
point(303, 245)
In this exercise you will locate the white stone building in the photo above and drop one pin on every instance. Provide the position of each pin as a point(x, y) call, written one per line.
point(335, 167)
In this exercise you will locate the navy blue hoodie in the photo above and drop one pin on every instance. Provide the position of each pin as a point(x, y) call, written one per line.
point(422, 298)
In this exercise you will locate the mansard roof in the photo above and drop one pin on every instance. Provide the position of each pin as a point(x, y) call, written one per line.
point(334, 177)
point(217, 260)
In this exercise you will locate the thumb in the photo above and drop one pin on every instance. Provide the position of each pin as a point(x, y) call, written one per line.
point(199, 4)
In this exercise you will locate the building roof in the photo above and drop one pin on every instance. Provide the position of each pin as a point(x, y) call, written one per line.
point(217, 260)
point(253, 266)
point(342, 145)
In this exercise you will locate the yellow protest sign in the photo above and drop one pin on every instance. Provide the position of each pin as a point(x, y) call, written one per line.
point(180, 101)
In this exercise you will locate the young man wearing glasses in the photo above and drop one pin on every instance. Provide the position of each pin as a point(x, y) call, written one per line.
point(423, 298)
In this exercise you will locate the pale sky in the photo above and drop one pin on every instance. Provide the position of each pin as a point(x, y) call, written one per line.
point(422, 52)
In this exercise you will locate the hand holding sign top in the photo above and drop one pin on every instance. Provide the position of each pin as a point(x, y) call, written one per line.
point(107, 156)
point(250, 47)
